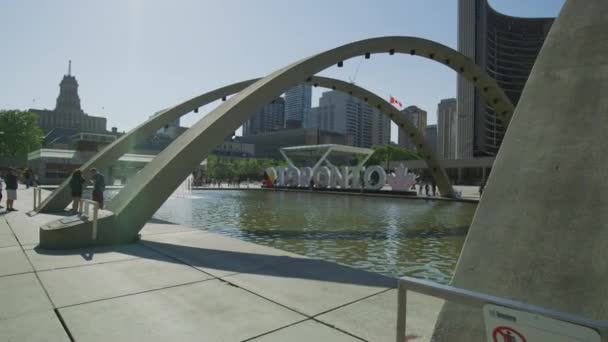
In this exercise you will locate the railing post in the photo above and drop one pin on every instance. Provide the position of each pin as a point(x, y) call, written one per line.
point(95, 211)
point(401, 311)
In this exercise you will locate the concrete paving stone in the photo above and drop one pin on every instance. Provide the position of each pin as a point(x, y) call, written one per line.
point(42, 327)
point(13, 261)
point(217, 254)
point(20, 295)
point(52, 259)
point(164, 228)
point(75, 285)
point(206, 311)
point(25, 228)
point(375, 318)
point(306, 331)
point(4, 227)
point(8, 240)
point(312, 286)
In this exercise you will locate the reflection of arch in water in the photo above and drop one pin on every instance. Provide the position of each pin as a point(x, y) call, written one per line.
point(139, 200)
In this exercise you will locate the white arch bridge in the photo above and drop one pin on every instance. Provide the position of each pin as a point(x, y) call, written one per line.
point(135, 204)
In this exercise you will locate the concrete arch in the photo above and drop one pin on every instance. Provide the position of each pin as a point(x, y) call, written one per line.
point(60, 198)
point(138, 201)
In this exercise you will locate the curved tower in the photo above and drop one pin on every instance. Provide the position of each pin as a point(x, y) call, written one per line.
point(506, 47)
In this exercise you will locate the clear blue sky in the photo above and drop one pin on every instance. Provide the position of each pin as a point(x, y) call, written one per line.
point(134, 57)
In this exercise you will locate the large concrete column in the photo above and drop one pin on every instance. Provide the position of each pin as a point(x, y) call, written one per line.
point(540, 234)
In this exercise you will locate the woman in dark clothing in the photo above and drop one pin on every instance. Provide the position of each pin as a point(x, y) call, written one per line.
point(76, 183)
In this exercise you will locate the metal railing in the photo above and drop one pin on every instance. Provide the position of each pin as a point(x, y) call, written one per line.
point(37, 197)
point(478, 300)
point(84, 208)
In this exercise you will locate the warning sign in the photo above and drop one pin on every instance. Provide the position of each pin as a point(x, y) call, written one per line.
point(509, 325)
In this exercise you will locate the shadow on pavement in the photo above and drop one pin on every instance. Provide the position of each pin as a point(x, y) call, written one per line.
point(233, 262)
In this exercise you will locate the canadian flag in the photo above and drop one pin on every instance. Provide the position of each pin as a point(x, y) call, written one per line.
point(394, 101)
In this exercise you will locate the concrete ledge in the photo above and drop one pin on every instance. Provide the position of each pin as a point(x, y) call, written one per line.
point(344, 193)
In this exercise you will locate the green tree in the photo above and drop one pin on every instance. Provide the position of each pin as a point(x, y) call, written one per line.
point(19, 133)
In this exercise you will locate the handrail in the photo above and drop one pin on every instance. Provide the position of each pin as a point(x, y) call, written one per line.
point(479, 299)
point(84, 207)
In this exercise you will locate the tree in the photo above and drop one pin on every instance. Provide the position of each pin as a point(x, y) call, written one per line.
point(19, 133)
point(386, 153)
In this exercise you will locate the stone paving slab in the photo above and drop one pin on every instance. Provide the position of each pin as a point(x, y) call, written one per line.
point(216, 254)
point(8, 240)
point(13, 261)
point(53, 259)
point(206, 311)
point(312, 286)
point(4, 227)
point(102, 281)
point(36, 327)
point(26, 230)
point(20, 295)
point(305, 332)
point(375, 318)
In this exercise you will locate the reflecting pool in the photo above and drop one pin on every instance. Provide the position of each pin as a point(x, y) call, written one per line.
point(391, 236)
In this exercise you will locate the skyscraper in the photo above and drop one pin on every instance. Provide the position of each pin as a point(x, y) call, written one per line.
point(298, 101)
point(417, 117)
point(269, 118)
point(446, 129)
point(506, 47)
point(339, 112)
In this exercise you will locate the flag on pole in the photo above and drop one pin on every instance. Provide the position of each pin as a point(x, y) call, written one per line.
point(394, 101)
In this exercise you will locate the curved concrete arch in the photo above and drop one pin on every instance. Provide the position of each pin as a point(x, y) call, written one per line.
point(145, 194)
point(60, 198)
point(138, 201)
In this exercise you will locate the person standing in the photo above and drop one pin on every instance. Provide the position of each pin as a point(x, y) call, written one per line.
point(76, 183)
point(11, 189)
point(99, 186)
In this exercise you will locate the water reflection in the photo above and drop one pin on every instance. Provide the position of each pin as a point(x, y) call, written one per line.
point(390, 236)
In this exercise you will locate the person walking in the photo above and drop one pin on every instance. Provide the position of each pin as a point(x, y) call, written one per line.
point(99, 186)
point(426, 189)
point(434, 188)
point(11, 189)
point(76, 183)
point(27, 178)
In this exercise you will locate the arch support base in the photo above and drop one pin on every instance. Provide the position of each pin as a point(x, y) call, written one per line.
point(76, 232)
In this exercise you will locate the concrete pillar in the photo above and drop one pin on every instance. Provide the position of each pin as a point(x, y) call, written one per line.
point(540, 233)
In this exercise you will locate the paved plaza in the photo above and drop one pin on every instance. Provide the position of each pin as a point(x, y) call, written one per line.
point(182, 284)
